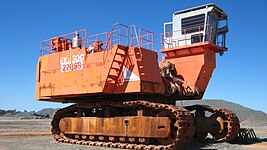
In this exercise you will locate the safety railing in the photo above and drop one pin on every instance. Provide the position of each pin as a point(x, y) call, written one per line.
point(107, 39)
point(63, 42)
point(116, 37)
point(119, 34)
point(220, 40)
point(146, 39)
point(134, 40)
point(101, 38)
point(142, 39)
point(187, 36)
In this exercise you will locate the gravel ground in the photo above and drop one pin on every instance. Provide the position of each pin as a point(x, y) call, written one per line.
point(34, 134)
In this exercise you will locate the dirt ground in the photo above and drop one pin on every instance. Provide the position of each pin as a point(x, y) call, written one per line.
point(29, 134)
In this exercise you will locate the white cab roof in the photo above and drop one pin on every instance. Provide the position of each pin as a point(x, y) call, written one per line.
point(223, 14)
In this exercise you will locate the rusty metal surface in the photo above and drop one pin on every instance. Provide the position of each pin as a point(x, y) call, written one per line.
point(246, 136)
point(233, 126)
point(136, 126)
point(181, 133)
point(223, 124)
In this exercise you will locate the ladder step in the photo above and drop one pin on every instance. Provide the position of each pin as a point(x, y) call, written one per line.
point(121, 54)
point(110, 81)
point(112, 77)
point(115, 68)
point(121, 50)
point(118, 61)
point(114, 72)
point(118, 57)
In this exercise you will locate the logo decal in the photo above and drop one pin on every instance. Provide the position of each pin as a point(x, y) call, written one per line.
point(129, 76)
point(71, 63)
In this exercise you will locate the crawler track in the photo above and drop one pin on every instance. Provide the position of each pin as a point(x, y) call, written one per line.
point(231, 126)
point(180, 136)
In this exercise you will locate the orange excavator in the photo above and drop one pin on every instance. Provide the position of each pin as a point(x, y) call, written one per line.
point(123, 97)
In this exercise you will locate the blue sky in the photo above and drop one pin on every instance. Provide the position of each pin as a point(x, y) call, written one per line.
point(240, 76)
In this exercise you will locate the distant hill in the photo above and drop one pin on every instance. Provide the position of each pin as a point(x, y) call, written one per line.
point(49, 111)
point(3, 112)
point(246, 116)
point(27, 114)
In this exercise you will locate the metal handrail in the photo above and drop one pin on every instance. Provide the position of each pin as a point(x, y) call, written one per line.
point(101, 37)
point(167, 37)
point(148, 37)
point(126, 36)
point(144, 39)
point(46, 46)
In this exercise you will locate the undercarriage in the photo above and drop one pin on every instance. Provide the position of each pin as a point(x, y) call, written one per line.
point(141, 124)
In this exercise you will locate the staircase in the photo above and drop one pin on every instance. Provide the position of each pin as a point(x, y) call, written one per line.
point(115, 69)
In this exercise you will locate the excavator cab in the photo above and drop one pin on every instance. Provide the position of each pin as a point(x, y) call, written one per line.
point(199, 24)
point(191, 40)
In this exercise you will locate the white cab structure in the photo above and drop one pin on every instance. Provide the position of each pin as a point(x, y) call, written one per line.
point(206, 23)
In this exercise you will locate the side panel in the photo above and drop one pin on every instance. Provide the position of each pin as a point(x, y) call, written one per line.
point(73, 72)
point(140, 70)
point(194, 65)
point(76, 73)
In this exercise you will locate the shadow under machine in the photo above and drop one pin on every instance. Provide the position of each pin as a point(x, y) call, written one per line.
point(123, 97)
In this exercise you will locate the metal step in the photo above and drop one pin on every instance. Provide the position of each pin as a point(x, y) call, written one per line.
point(118, 61)
point(114, 77)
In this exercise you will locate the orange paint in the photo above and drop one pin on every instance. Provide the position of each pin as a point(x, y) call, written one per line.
point(94, 74)
point(194, 63)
